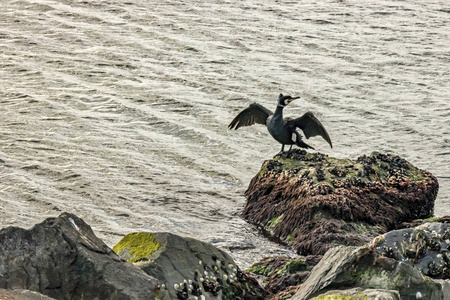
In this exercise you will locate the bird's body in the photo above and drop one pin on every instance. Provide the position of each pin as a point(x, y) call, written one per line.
point(285, 131)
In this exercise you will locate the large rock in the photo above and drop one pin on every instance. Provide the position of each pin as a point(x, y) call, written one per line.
point(426, 247)
point(344, 267)
point(188, 268)
point(62, 258)
point(313, 202)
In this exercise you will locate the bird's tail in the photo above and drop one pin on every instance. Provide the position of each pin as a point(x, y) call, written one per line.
point(300, 143)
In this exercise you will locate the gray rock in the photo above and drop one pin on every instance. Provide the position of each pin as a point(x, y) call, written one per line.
point(425, 247)
point(363, 267)
point(20, 294)
point(361, 294)
point(188, 268)
point(62, 258)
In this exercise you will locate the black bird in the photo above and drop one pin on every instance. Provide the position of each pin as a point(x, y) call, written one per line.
point(285, 131)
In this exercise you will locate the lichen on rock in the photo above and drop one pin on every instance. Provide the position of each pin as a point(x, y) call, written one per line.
point(137, 247)
point(313, 202)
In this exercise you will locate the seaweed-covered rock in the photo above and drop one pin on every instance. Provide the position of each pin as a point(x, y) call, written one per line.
point(345, 267)
point(313, 202)
point(188, 268)
point(425, 247)
point(283, 275)
point(62, 258)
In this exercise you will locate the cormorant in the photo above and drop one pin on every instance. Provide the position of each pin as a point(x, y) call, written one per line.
point(285, 131)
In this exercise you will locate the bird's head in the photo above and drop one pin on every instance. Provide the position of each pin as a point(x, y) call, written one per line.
point(285, 100)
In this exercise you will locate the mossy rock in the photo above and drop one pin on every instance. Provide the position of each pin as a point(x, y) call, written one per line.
point(313, 202)
point(187, 267)
point(363, 267)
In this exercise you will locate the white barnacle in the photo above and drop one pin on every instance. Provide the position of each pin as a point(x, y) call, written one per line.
point(418, 295)
point(190, 281)
point(176, 286)
point(218, 263)
point(163, 286)
point(202, 279)
point(202, 297)
point(225, 277)
point(206, 273)
point(230, 266)
point(200, 262)
point(235, 270)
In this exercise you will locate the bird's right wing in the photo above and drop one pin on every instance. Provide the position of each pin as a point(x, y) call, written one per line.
point(311, 126)
point(254, 114)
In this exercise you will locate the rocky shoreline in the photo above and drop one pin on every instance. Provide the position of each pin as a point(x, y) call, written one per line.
point(365, 230)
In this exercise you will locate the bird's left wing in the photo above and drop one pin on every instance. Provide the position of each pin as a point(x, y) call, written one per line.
point(310, 126)
point(254, 114)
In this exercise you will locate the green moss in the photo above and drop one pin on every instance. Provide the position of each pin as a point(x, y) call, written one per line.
point(430, 220)
point(260, 270)
point(274, 222)
point(139, 245)
point(339, 296)
point(293, 267)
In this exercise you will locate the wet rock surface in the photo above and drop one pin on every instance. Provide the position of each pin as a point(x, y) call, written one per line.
point(62, 258)
point(282, 275)
point(425, 247)
point(362, 267)
point(313, 202)
point(188, 268)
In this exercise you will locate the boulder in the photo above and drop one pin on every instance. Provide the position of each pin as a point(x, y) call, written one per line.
point(188, 268)
point(313, 202)
point(62, 258)
point(426, 247)
point(362, 267)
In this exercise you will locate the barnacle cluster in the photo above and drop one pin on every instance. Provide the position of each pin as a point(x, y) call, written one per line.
point(208, 278)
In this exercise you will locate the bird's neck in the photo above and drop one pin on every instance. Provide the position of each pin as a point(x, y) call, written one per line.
point(279, 110)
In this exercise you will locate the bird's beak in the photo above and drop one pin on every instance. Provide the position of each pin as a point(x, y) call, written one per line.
point(290, 99)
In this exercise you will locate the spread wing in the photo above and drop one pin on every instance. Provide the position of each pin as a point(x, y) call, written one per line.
point(254, 114)
point(310, 126)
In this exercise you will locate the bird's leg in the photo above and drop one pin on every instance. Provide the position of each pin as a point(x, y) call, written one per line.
point(290, 148)
point(282, 148)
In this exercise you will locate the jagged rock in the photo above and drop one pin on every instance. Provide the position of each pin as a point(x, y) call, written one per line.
point(343, 267)
point(359, 294)
point(188, 268)
point(62, 258)
point(313, 202)
point(283, 275)
point(425, 247)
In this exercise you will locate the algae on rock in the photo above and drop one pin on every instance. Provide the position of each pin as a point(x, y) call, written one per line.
point(313, 202)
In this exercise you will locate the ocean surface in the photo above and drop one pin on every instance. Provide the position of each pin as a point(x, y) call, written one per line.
point(117, 111)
